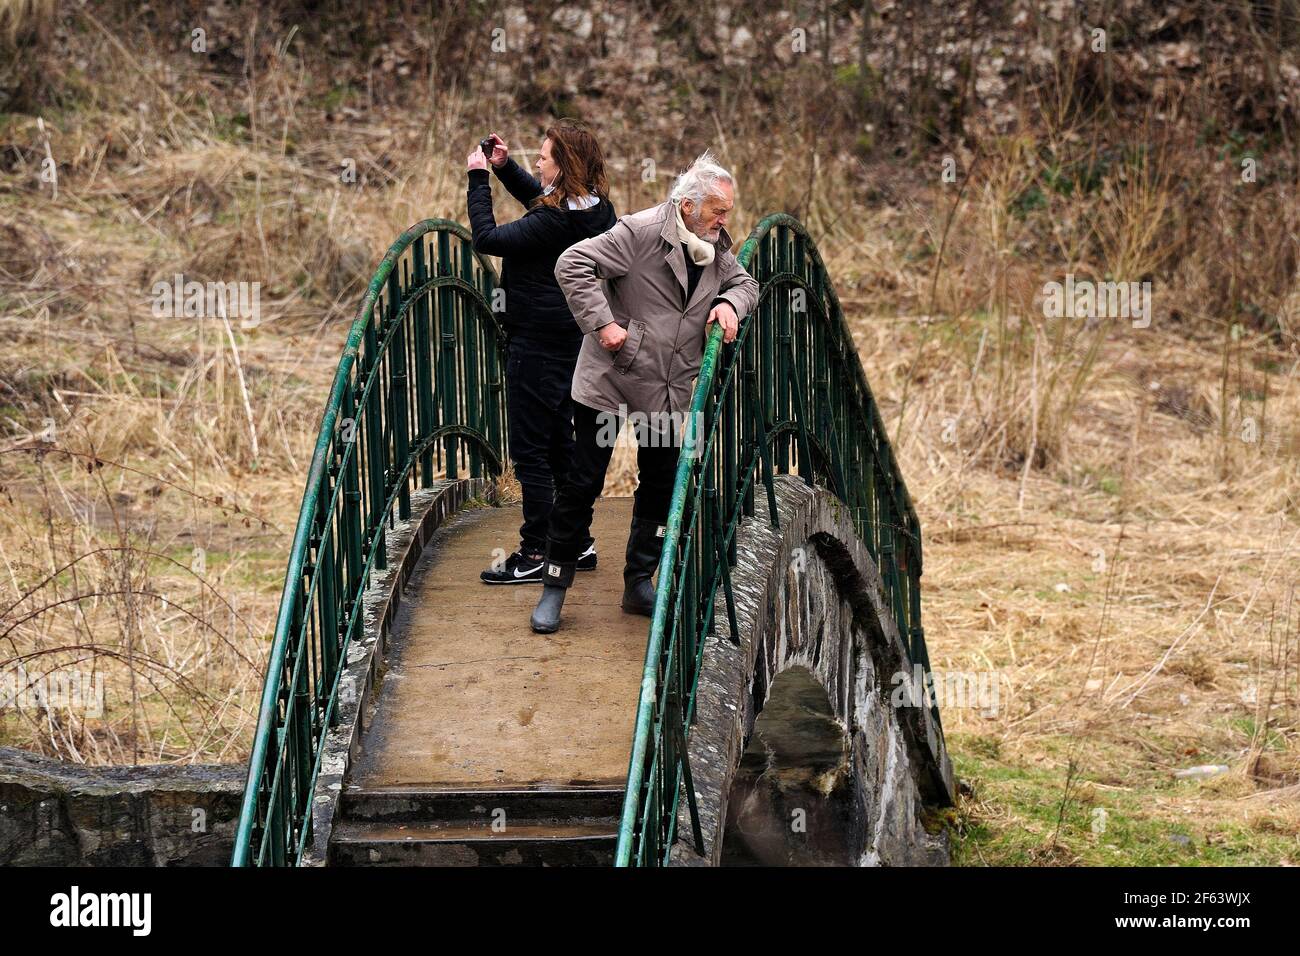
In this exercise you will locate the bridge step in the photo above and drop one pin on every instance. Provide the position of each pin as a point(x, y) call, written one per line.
point(404, 826)
point(411, 805)
point(474, 844)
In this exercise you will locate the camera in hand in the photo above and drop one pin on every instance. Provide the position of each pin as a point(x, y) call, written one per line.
point(487, 145)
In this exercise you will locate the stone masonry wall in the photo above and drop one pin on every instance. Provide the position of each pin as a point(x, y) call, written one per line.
point(54, 813)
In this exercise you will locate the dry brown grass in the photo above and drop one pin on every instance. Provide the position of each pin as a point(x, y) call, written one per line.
point(17, 16)
point(1133, 584)
point(1094, 456)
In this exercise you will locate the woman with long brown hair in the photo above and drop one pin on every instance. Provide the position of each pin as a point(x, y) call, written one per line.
point(569, 201)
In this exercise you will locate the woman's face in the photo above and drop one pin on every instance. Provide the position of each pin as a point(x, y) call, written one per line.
point(547, 169)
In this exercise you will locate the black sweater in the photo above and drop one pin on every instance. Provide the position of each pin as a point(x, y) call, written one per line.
point(536, 310)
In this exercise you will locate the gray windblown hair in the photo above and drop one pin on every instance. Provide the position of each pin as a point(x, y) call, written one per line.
point(700, 179)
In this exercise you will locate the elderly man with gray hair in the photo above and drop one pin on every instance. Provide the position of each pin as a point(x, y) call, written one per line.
point(644, 294)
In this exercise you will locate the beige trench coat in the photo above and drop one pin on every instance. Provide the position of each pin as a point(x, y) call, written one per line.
point(635, 275)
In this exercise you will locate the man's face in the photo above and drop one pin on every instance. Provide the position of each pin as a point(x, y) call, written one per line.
point(708, 220)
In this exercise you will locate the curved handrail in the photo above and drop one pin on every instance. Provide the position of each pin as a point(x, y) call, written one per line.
point(427, 309)
point(759, 415)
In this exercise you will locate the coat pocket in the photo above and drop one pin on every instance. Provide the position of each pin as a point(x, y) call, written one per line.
point(627, 351)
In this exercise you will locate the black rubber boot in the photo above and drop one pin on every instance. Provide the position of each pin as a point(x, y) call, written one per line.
point(644, 544)
point(557, 576)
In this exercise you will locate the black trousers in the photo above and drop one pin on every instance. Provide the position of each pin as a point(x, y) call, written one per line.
point(656, 462)
point(541, 432)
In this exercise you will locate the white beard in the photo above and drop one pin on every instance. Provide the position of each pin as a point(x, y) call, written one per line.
point(700, 247)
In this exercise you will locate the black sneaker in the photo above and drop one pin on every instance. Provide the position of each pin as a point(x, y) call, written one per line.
point(519, 568)
point(587, 560)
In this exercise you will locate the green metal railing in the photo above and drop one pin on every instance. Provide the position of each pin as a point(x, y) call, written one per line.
point(789, 395)
point(418, 395)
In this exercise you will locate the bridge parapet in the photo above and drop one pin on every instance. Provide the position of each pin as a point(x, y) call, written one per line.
point(810, 596)
point(418, 397)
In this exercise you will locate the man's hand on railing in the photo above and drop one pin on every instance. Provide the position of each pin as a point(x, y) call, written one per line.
point(726, 315)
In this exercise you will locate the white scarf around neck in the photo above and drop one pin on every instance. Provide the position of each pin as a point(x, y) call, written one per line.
point(700, 250)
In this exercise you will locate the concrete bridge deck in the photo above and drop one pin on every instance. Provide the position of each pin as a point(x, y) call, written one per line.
point(472, 698)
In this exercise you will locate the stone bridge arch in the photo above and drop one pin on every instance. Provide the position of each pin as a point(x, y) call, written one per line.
point(812, 609)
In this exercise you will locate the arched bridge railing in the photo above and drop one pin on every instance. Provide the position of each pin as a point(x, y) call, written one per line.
point(789, 395)
point(418, 395)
